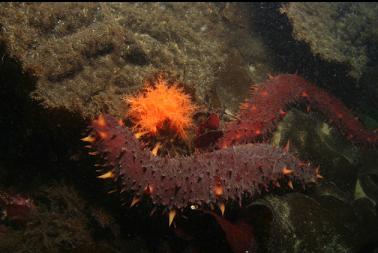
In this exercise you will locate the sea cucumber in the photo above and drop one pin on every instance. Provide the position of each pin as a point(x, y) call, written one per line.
point(269, 102)
point(199, 179)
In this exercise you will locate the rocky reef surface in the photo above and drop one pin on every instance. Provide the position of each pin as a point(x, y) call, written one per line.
point(340, 32)
point(85, 56)
point(61, 64)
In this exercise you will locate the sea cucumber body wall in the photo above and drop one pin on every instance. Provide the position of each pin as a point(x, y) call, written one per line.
point(215, 177)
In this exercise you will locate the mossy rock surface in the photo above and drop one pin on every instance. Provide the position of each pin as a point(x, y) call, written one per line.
point(337, 32)
point(86, 56)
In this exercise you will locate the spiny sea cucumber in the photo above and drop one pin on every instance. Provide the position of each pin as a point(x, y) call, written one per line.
point(200, 179)
point(270, 100)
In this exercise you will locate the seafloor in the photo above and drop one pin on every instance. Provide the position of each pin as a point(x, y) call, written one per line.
point(63, 64)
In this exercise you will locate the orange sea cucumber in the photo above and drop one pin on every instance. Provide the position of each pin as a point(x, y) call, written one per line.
point(161, 105)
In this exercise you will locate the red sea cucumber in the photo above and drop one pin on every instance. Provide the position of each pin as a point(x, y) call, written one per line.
point(203, 178)
point(269, 101)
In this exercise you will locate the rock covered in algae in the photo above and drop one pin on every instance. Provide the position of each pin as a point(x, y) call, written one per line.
point(338, 32)
point(65, 222)
point(299, 223)
point(85, 56)
point(313, 139)
point(338, 214)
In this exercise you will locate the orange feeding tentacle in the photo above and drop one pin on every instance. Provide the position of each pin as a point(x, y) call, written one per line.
point(161, 105)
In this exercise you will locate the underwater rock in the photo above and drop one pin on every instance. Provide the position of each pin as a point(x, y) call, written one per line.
point(338, 32)
point(313, 139)
point(85, 56)
point(367, 183)
point(367, 186)
point(60, 222)
point(349, 184)
point(15, 208)
point(298, 223)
